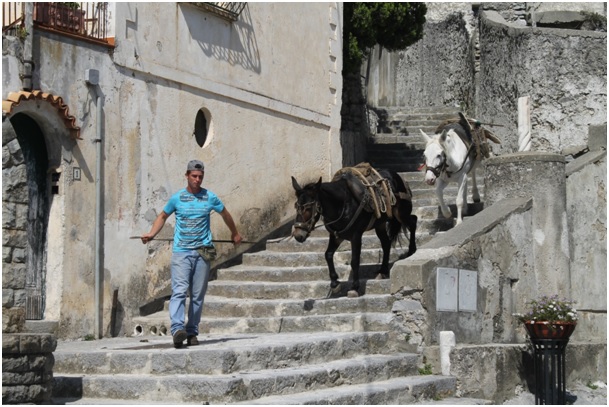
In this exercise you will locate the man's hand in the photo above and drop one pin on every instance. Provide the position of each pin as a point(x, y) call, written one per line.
point(236, 237)
point(146, 237)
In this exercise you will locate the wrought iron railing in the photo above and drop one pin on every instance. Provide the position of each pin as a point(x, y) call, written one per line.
point(88, 20)
point(228, 10)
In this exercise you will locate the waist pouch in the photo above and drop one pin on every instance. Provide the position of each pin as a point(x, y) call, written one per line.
point(208, 253)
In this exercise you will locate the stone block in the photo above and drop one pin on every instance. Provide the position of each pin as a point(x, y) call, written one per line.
point(411, 274)
point(7, 254)
point(9, 213)
point(15, 394)
point(29, 343)
point(406, 305)
point(48, 343)
point(15, 363)
point(22, 378)
point(18, 255)
point(7, 298)
point(10, 343)
point(14, 238)
point(13, 320)
point(19, 298)
point(13, 276)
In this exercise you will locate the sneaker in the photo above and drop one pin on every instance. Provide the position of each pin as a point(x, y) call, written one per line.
point(192, 340)
point(178, 338)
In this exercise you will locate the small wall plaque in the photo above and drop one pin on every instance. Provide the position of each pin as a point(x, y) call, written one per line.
point(456, 290)
point(76, 174)
point(447, 292)
point(468, 290)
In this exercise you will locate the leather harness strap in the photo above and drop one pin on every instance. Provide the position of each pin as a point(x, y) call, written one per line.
point(382, 197)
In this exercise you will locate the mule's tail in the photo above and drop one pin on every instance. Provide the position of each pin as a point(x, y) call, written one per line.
point(404, 220)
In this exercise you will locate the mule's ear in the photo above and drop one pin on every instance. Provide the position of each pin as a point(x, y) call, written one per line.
point(443, 136)
point(425, 136)
point(295, 184)
point(318, 183)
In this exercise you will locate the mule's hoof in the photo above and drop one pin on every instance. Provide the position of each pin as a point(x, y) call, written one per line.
point(352, 294)
point(335, 290)
point(381, 276)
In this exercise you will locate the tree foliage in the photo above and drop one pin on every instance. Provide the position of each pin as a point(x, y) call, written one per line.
point(394, 26)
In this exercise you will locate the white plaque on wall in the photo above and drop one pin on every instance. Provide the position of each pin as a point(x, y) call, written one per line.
point(447, 289)
point(468, 290)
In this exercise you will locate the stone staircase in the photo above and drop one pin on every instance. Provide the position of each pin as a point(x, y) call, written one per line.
point(398, 146)
point(271, 333)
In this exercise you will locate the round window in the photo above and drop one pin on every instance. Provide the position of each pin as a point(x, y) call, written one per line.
point(201, 127)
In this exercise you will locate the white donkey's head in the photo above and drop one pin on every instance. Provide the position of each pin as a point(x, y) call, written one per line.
point(435, 155)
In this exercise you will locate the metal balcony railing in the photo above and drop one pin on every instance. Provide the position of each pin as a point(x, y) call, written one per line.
point(227, 10)
point(87, 20)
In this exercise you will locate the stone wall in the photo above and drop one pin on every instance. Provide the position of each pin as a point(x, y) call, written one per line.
point(563, 71)
point(14, 226)
point(438, 70)
point(586, 189)
point(27, 368)
point(496, 244)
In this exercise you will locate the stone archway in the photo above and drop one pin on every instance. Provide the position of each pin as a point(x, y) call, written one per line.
point(37, 132)
point(28, 199)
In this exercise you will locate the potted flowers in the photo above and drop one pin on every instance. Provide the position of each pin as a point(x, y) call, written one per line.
point(550, 318)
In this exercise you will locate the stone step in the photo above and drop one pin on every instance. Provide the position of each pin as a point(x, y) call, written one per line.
point(396, 166)
point(395, 154)
point(219, 307)
point(319, 244)
point(222, 369)
point(277, 259)
point(419, 176)
point(402, 390)
point(418, 110)
point(458, 401)
point(347, 322)
point(292, 273)
point(215, 354)
point(246, 386)
point(299, 290)
point(401, 141)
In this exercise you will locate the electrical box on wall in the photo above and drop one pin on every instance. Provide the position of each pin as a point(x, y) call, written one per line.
point(92, 76)
point(456, 290)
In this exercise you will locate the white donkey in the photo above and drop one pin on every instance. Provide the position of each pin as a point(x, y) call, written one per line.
point(449, 159)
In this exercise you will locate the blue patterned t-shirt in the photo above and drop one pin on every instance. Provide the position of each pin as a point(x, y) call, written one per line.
point(192, 211)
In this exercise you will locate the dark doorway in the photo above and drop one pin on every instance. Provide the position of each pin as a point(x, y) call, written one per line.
point(33, 147)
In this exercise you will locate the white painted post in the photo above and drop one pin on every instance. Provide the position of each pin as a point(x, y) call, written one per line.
point(447, 342)
point(524, 123)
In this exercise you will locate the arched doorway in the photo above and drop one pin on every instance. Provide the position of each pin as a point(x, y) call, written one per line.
point(30, 200)
point(38, 139)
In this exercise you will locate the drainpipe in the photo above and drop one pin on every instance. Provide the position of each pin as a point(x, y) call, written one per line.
point(28, 45)
point(92, 78)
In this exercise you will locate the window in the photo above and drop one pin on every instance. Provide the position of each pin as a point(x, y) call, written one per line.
point(202, 127)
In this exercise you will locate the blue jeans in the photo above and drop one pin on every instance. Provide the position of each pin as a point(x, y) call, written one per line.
point(189, 275)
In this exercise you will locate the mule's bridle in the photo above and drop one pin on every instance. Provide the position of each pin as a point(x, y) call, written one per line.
point(309, 225)
point(443, 166)
point(440, 168)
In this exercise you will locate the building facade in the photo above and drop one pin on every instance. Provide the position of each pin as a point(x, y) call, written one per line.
point(97, 134)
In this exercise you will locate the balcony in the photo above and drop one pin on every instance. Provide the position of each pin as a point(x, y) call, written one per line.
point(80, 20)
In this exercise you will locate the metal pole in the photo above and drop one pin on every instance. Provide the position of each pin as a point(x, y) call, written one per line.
point(98, 221)
point(92, 78)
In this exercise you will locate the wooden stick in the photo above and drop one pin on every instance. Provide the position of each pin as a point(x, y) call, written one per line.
point(214, 240)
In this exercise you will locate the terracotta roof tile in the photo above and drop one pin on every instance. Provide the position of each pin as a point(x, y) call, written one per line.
point(14, 99)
